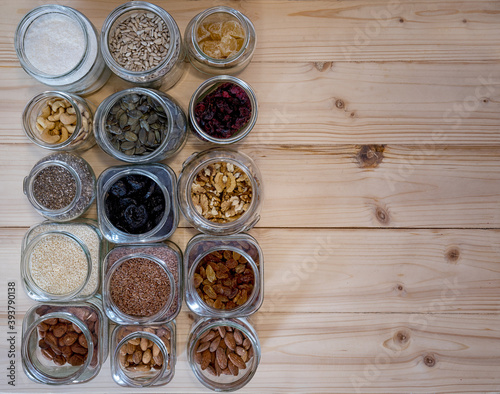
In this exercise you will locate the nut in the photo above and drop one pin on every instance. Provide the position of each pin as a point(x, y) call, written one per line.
point(141, 354)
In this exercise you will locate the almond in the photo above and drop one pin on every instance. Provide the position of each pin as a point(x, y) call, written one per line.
point(233, 368)
point(221, 358)
point(230, 342)
point(236, 360)
point(215, 344)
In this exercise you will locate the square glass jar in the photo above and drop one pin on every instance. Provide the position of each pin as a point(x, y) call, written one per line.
point(199, 254)
point(161, 175)
point(143, 355)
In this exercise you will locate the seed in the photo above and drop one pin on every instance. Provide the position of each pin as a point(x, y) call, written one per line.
point(129, 136)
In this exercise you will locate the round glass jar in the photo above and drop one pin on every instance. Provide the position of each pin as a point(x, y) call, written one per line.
point(143, 355)
point(161, 175)
point(54, 179)
point(87, 240)
point(243, 258)
point(234, 342)
point(46, 108)
point(209, 86)
point(167, 68)
point(45, 58)
point(113, 126)
point(124, 307)
point(246, 176)
point(64, 343)
point(233, 64)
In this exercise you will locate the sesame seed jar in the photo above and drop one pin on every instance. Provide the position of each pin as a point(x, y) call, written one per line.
point(62, 261)
point(235, 285)
point(143, 355)
point(141, 43)
point(137, 204)
point(218, 61)
point(223, 353)
point(220, 191)
point(143, 283)
point(73, 64)
point(64, 343)
point(77, 136)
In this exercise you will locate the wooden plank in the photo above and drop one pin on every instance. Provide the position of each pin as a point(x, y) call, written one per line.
point(359, 30)
point(368, 103)
point(331, 186)
point(325, 353)
point(424, 271)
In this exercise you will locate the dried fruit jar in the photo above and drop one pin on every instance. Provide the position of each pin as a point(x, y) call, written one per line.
point(77, 170)
point(172, 141)
point(80, 139)
point(209, 65)
point(208, 86)
point(192, 167)
point(87, 240)
point(167, 257)
point(241, 246)
point(160, 174)
point(87, 71)
point(143, 355)
point(208, 376)
point(170, 69)
point(53, 326)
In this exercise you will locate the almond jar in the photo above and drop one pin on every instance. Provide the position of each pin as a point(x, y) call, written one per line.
point(220, 192)
point(64, 343)
point(143, 355)
point(224, 275)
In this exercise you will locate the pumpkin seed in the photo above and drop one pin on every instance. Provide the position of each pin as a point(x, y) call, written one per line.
point(129, 136)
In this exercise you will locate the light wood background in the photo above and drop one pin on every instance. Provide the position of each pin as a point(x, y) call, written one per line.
point(378, 139)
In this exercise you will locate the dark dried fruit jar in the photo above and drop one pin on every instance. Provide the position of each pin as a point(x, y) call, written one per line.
point(161, 175)
point(208, 87)
point(53, 362)
point(242, 246)
point(167, 257)
point(143, 355)
point(210, 65)
point(194, 165)
point(206, 376)
point(110, 137)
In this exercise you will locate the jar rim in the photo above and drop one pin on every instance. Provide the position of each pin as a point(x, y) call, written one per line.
point(205, 88)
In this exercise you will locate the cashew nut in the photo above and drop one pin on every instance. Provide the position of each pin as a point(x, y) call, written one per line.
point(70, 110)
point(67, 119)
point(57, 115)
point(45, 112)
point(70, 128)
point(56, 104)
point(64, 134)
point(46, 124)
point(47, 137)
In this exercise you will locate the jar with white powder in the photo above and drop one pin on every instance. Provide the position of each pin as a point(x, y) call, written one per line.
point(59, 46)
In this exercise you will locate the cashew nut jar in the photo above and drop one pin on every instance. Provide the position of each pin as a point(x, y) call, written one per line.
point(143, 355)
point(59, 121)
point(64, 343)
point(59, 47)
point(223, 353)
point(220, 191)
point(224, 275)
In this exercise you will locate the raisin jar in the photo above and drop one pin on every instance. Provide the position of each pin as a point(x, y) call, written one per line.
point(136, 203)
point(64, 343)
point(220, 191)
point(143, 355)
point(220, 40)
point(223, 110)
point(223, 353)
point(143, 283)
point(224, 275)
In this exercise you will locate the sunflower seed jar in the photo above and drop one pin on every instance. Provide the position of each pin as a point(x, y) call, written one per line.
point(140, 125)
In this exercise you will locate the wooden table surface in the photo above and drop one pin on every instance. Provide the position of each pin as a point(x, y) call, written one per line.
point(379, 142)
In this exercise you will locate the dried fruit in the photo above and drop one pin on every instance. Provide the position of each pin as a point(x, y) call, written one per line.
point(220, 39)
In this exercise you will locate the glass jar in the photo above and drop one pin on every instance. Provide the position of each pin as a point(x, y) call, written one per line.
point(244, 250)
point(64, 343)
point(248, 179)
point(167, 220)
point(54, 180)
point(209, 86)
point(42, 244)
point(76, 136)
point(235, 62)
point(75, 66)
point(112, 132)
point(167, 69)
point(234, 341)
point(120, 304)
point(143, 355)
